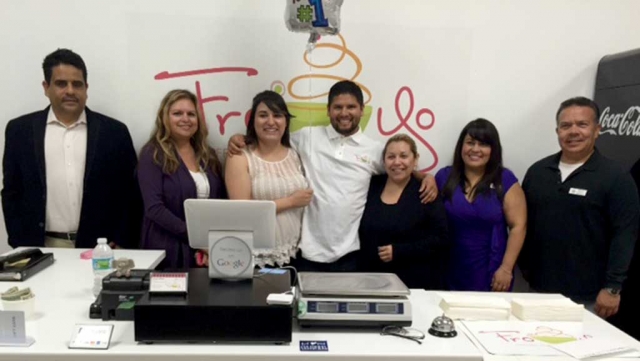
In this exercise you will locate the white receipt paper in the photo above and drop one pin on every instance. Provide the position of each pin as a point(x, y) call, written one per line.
point(169, 282)
point(91, 336)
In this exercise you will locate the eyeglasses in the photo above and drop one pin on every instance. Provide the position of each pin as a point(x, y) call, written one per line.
point(404, 332)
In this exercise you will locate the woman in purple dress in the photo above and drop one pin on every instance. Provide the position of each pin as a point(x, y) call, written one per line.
point(176, 164)
point(486, 209)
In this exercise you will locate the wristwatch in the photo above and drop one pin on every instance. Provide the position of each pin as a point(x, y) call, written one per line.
point(613, 291)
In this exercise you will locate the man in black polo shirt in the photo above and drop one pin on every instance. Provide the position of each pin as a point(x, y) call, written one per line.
point(583, 214)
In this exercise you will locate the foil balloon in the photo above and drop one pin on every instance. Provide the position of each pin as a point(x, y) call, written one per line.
point(315, 17)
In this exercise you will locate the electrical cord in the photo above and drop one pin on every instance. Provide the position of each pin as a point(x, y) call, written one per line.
point(406, 333)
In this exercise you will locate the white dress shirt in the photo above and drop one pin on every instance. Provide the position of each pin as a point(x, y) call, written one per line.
point(339, 170)
point(65, 153)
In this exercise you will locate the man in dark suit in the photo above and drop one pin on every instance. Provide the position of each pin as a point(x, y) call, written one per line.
point(68, 171)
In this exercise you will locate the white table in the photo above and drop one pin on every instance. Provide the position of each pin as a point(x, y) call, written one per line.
point(64, 295)
point(590, 322)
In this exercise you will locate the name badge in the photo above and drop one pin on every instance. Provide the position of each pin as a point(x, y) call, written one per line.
point(578, 192)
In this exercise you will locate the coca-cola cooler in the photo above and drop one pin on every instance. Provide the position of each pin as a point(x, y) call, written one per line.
point(618, 96)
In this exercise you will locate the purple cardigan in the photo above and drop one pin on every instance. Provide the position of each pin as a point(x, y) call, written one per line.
point(163, 226)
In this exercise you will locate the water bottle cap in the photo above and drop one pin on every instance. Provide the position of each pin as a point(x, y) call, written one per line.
point(102, 241)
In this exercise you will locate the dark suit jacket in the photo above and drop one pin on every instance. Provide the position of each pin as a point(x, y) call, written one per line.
point(110, 200)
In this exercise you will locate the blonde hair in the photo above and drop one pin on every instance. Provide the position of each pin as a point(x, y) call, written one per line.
point(164, 149)
point(402, 138)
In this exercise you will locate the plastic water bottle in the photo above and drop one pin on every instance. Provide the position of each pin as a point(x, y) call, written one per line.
point(101, 260)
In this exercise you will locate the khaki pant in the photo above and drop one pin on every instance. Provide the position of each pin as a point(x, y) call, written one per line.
point(58, 243)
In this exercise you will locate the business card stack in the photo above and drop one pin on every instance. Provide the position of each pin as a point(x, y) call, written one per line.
point(472, 307)
point(547, 309)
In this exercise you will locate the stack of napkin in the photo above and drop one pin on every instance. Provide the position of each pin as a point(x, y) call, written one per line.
point(472, 307)
point(547, 309)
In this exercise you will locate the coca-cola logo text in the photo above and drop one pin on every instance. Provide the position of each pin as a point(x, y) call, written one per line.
point(627, 123)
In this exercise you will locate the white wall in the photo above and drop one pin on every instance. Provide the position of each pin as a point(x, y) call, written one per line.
point(512, 62)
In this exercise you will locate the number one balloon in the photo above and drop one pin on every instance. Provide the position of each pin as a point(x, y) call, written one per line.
point(316, 17)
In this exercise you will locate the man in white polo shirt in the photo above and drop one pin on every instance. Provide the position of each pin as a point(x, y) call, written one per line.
point(339, 161)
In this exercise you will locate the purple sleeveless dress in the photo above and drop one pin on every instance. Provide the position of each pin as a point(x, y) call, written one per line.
point(479, 235)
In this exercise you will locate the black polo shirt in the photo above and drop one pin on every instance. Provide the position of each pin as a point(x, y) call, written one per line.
point(580, 232)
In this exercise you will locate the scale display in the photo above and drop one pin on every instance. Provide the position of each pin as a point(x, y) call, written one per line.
point(380, 308)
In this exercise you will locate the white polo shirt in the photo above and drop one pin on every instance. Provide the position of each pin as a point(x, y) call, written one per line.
point(65, 152)
point(339, 170)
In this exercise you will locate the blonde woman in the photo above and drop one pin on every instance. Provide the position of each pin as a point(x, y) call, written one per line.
point(176, 164)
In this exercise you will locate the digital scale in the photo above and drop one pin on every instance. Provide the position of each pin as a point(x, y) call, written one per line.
point(352, 299)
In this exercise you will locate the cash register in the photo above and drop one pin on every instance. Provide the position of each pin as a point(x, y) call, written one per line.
point(226, 302)
point(217, 311)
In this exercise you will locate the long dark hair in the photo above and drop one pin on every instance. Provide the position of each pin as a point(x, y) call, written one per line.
point(276, 104)
point(484, 131)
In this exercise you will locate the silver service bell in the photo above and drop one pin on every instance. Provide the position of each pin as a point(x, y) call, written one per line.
point(442, 326)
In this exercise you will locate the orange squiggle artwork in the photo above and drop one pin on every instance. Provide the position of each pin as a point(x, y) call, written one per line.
point(344, 51)
point(315, 113)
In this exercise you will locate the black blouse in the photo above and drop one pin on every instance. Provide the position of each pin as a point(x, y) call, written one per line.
point(417, 232)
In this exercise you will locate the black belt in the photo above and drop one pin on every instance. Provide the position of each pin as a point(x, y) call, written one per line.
point(62, 235)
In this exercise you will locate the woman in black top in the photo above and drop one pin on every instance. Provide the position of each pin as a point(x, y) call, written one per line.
point(399, 234)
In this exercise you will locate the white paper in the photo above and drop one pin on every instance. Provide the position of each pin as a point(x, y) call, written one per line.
point(12, 329)
point(476, 314)
point(547, 309)
point(590, 347)
point(91, 336)
point(474, 301)
point(168, 282)
point(521, 338)
point(518, 338)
